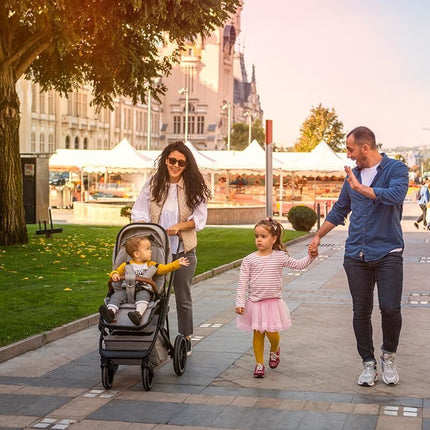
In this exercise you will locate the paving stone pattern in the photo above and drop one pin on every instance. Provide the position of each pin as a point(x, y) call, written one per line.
point(58, 386)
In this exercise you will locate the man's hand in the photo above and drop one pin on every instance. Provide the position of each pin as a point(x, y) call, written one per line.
point(313, 246)
point(351, 178)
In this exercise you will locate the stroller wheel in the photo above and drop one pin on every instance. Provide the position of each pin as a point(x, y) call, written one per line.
point(108, 372)
point(147, 375)
point(180, 354)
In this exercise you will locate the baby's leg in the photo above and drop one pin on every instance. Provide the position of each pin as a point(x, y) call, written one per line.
point(116, 299)
point(142, 299)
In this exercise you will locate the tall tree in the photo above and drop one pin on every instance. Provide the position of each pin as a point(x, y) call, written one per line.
point(62, 44)
point(321, 124)
point(240, 134)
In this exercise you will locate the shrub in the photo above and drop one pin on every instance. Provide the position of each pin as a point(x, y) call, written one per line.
point(126, 212)
point(302, 218)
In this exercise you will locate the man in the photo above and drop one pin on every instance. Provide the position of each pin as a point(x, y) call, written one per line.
point(373, 192)
point(422, 201)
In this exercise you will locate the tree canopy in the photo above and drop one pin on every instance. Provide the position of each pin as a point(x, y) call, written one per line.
point(62, 44)
point(240, 134)
point(321, 124)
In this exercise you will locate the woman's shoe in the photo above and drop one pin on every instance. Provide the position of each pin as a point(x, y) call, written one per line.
point(259, 371)
point(275, 358)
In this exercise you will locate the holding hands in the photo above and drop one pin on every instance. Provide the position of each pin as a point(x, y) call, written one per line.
point(313, 247)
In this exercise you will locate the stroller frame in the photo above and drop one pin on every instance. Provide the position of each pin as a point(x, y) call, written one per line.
point(149, 344)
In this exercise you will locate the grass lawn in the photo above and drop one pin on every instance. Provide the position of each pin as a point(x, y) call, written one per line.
point(50, 282)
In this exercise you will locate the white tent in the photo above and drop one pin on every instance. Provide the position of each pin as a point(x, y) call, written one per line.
point(253, 157)
point(122, 158)
point(202, 160)
point(321, 159)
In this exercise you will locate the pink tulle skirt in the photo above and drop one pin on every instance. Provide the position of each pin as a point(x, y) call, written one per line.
point(265, 315)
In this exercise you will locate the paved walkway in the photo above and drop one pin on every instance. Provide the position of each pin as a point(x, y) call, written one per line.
point(58, 386)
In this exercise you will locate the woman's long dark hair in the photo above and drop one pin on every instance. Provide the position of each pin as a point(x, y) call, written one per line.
point(195, 187)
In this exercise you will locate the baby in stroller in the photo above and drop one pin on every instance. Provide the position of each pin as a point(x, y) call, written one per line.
point(135, 278)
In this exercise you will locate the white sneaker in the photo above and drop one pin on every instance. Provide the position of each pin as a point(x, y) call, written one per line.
point(369, 375)
point(389, 369)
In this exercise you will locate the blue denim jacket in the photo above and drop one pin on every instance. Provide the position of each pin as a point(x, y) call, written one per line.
point(374, 228)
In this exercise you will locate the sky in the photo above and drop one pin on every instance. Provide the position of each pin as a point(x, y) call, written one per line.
point(367, 59)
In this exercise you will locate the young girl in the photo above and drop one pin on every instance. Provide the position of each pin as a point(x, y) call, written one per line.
point(259, 303)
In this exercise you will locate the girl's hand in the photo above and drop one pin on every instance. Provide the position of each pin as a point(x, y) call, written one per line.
point(183, 261)
point(115, 277)
point(240, 311)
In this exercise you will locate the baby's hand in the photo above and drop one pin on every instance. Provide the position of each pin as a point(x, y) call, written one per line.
point(183, 261)
point(116, 277)
point(240, 311)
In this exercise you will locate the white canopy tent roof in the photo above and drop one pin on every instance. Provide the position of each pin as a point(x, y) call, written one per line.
point(253, 157)
point(122, 158)
point(321, 159)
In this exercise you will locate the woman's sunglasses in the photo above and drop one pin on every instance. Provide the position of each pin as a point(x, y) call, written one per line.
point(172, 161)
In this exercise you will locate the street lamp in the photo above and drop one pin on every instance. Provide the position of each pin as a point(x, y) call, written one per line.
point(185, 91)
point(250, 116)
point(148, 104)
point(157, 82)
point(228, 107)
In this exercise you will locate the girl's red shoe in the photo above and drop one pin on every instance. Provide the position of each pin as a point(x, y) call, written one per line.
point(275, 358)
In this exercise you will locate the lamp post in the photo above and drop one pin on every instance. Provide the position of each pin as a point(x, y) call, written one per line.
point(157, 82)
point(148, 104)
point(228, 107)
point(185, 91)
point(250, 116)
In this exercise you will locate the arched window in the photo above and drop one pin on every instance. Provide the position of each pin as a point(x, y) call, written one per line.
point(51, 143)
point(33, 142)
point(42, 143)
point(67, 142)
point(76, 142)
point(85, 143)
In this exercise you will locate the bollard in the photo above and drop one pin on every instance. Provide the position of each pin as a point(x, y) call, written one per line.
point(318, 216)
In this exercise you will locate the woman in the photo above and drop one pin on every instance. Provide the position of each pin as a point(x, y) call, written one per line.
point(176, 198)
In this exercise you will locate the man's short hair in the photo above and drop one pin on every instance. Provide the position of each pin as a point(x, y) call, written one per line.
point(363, 135)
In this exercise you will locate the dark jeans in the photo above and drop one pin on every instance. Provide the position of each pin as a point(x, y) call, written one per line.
point(388, 275)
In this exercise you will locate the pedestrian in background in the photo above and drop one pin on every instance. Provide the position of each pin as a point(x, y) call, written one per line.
point(424, 199)
point(373, 193)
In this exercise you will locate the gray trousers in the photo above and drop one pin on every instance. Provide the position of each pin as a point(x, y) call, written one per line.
point(120, 296)
point(182, 286)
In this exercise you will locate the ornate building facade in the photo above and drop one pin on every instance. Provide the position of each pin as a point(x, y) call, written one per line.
point(208, 87)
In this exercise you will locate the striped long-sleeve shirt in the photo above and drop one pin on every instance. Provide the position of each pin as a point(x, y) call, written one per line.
point(261, 277)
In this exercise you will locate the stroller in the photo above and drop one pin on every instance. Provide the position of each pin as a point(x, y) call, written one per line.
point(122, 342)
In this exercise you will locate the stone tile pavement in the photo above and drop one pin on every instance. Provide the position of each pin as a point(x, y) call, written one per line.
point(58, 386)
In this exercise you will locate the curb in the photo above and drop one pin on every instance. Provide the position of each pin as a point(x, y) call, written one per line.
point(33, 342)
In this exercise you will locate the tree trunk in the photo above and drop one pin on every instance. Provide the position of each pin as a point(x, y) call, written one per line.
point(13, 230)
